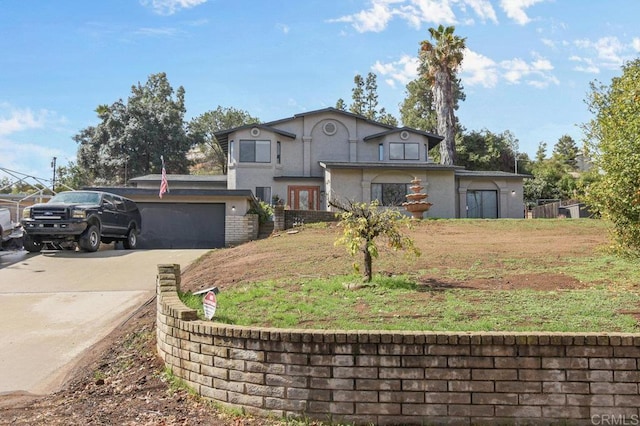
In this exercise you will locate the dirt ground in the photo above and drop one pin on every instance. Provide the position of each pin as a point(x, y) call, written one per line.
point(119, 382)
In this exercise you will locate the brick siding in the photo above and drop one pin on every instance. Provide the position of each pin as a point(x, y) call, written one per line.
point(241, 229)
point(387, 377)
point(294, 218)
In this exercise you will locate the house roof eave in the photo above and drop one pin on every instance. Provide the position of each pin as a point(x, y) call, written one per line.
point(434, 139)
point(223, 136)
point(490, 174)
point(333, 110)
point(398, 166)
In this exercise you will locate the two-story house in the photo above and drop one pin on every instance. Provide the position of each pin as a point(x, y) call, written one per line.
point(305, 161)
point(315, 156)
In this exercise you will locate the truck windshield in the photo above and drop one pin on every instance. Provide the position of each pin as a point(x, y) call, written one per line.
point(76, 197)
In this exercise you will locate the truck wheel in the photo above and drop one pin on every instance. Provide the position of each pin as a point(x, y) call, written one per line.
point(132, 240)
point(90, 240)
point(30, 245)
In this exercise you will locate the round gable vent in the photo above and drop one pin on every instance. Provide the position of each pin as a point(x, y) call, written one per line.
point(255, 132)
point(404, 135)
point(329, 128)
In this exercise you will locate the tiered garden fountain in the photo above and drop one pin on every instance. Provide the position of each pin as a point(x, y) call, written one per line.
point(416, 203)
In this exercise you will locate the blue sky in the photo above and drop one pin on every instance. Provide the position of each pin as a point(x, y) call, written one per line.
point(527, 68)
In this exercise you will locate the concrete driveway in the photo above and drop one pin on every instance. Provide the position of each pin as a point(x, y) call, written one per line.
point(56, 304)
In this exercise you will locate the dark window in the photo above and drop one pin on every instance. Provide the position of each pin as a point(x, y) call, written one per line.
point(107, 202)
point(278, 151)
point(482, 204)
point(253, 151)
point(131, 206)
point(263, 193)
point(404, 151)
point(389, 194)
point(119, 204)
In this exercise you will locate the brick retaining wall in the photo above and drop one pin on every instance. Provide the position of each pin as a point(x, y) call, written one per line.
point(380, 377)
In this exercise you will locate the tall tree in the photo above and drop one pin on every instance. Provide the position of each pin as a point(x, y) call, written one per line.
point(613, 139)
point(131, 137)
point(341, 105)
point(357, 96)
point(485, 150)
point(417, 110)
point(371, 97)
point(550, 182)
point(566, 151)
point(206, 125)
point(72, 176)
point(364, 96)
point(541, 152)
point(439, 63)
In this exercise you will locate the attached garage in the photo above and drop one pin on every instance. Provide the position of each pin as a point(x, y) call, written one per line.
point(164, 225)
point(190, 218)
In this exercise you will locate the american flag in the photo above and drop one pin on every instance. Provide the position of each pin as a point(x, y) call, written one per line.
point(164, 185)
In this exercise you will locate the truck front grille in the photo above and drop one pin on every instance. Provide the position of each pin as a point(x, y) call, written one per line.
point(51, 213)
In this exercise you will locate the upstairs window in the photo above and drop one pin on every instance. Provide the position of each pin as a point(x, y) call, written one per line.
point(255, 151)
point(404, 151)
point(278, 152)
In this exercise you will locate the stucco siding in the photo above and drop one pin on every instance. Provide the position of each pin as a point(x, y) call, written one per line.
point(346, 185)
point(509, 192)
point(439, 185)
point(355, 184)
point(325, 147)
point(291, 158)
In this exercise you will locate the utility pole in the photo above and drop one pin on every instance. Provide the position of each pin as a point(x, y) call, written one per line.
point(53, 185)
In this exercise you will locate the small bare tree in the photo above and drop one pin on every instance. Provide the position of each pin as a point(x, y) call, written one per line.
point(363, 223)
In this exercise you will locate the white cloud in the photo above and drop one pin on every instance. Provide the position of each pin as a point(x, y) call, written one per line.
point(16, 120)
point(585, 65)
point(24, 135)
point(284, 28)
point(374, 19)
point(515, 69)
point(515, 9)
point(433, 11)
point(156, 32)
point(536, 73)
point(169, 7)
point(609, 49)
point(416, 12)
point(28, 158)
point(402, 71)
point(607, 52)
point(477, 69)
point(483, 9)
point(549, 43)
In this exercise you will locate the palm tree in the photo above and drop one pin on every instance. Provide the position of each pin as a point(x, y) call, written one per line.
point(438, 65)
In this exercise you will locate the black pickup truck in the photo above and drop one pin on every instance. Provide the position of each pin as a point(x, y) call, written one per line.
point(81, 218)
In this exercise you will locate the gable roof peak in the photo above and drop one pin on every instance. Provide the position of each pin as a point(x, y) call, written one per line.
point(331, 110)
